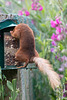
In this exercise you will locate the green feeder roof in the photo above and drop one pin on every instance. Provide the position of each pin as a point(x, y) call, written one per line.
point(7, 23)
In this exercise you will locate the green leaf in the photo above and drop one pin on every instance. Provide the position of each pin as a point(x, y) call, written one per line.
point(0, 5)
point(2, 92)
point(43, 25)
point(61, 46)
point(20, 5)
point(14, 84)
point(10, 98)
point(14, 95)
point(10, 86)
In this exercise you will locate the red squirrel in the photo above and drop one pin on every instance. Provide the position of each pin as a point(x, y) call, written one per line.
point(27, 53)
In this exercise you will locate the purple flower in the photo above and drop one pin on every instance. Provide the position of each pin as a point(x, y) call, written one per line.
point(59, 59)
point(54, 43)
point(66, 86)
point(66, 31)
point(56, 57)
point(65, 94)
point(63, 58)
point(65, 65)
point(61, 69)
point(27, 13)
point(52, 50)
point(65, 90)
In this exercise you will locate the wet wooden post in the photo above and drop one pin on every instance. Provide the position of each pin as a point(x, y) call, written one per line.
point(27, 84)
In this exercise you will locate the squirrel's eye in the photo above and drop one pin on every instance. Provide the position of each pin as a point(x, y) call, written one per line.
point(18, 29)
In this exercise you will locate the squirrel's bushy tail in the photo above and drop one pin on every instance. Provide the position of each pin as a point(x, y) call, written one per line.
point(45, 67)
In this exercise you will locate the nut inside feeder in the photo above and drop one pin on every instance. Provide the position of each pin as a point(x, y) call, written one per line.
point(11, 46)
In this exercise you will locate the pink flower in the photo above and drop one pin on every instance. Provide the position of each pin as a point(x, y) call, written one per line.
point(59, 37)
point(32, 5)
point(53, 37)
point(53, 24)
point(58, 29)
point(35, 9)
point(57, 32)
point(54, 43)
point(8, 3)
point(58, 21)
point(20, 13)
point(41, 8)
point(27, 13)
point(36, 5)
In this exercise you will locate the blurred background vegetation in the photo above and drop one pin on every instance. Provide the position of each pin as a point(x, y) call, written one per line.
point(41, 19)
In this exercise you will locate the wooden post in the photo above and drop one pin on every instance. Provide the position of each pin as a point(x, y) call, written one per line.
point(26, 84)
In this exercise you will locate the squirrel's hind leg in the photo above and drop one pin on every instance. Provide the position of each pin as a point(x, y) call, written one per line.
point(22, 57)
point(25, 65)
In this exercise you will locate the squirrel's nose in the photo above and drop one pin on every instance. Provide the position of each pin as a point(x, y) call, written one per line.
point(11, 32)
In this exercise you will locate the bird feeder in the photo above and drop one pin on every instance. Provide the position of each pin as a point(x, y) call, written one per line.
point(8, 45)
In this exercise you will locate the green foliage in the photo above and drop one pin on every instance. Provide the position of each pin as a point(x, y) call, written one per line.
point(14, 90)
point(1, 86)
point(43, 46)
point(51, 8)
point(42, 89)
point(10, 85)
